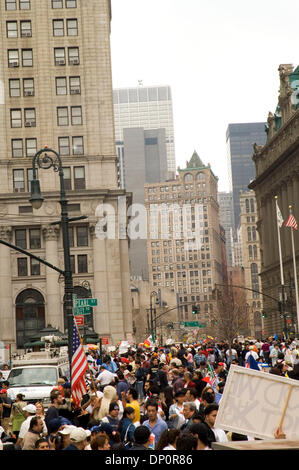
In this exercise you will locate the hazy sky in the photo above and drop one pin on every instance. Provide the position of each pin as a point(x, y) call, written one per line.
point(220, 58)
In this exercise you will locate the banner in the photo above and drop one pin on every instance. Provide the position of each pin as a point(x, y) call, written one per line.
point(256, 403)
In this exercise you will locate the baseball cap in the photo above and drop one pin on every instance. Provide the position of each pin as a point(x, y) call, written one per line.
point(106, 427)
point(67, 429)
point(30, 408)
point(78, 435)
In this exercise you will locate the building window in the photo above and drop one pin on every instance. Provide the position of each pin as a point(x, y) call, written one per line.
point(75, 86)
point(29, 178)
point(34, 238)
point(12, 29)
point(29, 117)
point(76, 115)
point(78, 147)
point(34, 267)
point(72, 27)
point(28, 86)
point(59, 56)
point(82, 235)
point(18, 181)
point(24, 4)
point(22, 267)
point(73, 54)
point(72, 263)
point(70, 3)
point(67, 178)
point(64, 145)
point(82, 264)
point(31, 147)
point(27, 58)
point(17, 148)
point(15, 118)
point(10, 5)
point(57, 4)
point(26, 31)
point(20, 238)
point(62, 116)
point(13, 58)
point(58, 28)
point(61, 88)
point(30, 315)
point(79, 178)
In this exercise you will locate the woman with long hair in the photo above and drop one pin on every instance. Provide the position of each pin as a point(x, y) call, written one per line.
point(126, 427)
point(103, 410)
point(168, 439)
point(17, 415)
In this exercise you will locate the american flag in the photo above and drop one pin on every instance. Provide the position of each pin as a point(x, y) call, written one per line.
point(79, 367)
point(291, 222)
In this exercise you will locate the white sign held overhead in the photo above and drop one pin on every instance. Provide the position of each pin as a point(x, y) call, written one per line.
point(255, 403)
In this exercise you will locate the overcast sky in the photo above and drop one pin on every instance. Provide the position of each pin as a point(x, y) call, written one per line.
point(220, 58)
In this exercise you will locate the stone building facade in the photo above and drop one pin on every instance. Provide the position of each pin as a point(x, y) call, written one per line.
point(277, 174)
point(251, 261)
point(184, 244)
point(56, 90)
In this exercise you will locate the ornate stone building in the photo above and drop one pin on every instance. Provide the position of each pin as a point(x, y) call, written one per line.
point(56, 90)
point(277, 174)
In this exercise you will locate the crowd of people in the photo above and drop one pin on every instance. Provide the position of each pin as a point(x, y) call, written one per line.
point(160, 398)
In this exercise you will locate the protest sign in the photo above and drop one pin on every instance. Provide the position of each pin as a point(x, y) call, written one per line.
point(255, 403)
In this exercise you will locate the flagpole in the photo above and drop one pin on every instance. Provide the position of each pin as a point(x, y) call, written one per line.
point(295, 273)
point(90, 373)
point(281, 267)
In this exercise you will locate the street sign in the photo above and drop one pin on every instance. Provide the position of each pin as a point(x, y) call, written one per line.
point(86, 302)
point(194, 323)
point(79, 319)
point(82, 310)
point(105, 339)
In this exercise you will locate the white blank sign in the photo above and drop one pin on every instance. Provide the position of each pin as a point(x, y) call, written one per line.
point(254, 402)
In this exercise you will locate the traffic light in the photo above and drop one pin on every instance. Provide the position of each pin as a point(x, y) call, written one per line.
point(264, 315)
point(170, 326)
point(194, 309)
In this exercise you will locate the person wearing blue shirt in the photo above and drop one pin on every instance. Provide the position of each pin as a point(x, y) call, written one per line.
point(155, 424)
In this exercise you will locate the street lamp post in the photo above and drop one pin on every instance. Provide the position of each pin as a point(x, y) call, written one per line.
point(152, 320)
point(44, 160)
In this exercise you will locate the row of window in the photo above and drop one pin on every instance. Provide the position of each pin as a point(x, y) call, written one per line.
point(28, 147)
point(11, 5)
point(31, 267)
point(62, 117)
point(31, 238)
point(26, 56)
point(163, 189)
point(60, 26)
point(74, 179)
point(16, 86)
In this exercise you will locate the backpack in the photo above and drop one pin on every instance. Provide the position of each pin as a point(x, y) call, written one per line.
point(127, 443)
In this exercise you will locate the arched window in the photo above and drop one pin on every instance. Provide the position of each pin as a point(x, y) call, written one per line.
point(253, 233)
point(252, 205)
point(188, 177)
point(254, 280)
point(250, 251)
point(249, 234)
point(247, 205)
point(30, 315)
point(254, 251)
point(200, 176)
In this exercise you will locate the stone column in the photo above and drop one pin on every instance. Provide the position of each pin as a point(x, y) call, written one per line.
point(101, 312)
point(126, 288)
point(54, 304)
point(7, 313)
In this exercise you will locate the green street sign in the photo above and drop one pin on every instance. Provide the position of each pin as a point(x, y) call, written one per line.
point(82, 311)
point(195, 324)
point(86, 302)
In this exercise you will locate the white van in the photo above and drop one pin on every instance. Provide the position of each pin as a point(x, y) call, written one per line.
point(35, 374)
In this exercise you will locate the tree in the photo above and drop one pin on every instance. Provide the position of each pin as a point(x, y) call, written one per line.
point(230, 317)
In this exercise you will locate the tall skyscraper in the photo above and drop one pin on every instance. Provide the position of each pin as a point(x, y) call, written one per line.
point(184, 246)
point(226, 213)
point(149, 108)
point(55, 79)
point(239, 141)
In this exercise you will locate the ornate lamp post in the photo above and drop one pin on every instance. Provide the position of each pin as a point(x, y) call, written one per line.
point(47, 158)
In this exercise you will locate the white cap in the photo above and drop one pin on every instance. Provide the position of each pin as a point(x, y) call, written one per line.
point(30, 408)
point(78, 435)
point(67, 429)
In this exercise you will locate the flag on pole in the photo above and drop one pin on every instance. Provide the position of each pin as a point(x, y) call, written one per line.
point(212, 375)
point(79, 367)
point(291, 222)
point(148, 343)
point(279, 216)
